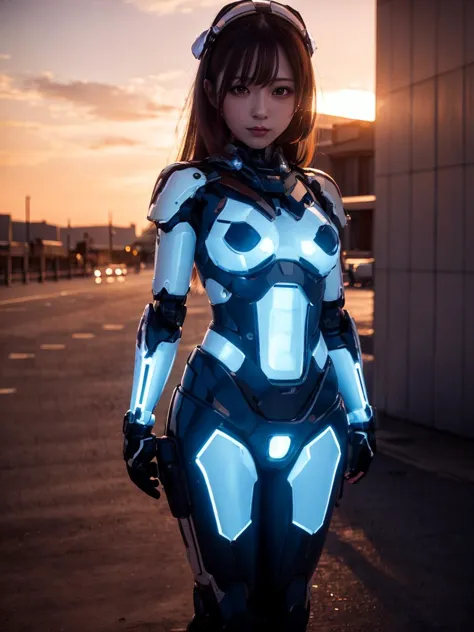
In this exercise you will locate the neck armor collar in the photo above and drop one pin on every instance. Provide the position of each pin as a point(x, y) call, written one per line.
point(265, 169)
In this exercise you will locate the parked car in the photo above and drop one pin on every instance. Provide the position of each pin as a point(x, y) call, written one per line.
point(110, 273)
point(358, 272)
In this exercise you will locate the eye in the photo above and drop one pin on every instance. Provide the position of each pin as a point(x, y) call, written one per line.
point(288, 91)
point(235, 88)
point(239, 90)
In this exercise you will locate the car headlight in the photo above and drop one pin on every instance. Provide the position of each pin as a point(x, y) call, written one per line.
point(97, 273)
point(108, 271)
point(118, 271)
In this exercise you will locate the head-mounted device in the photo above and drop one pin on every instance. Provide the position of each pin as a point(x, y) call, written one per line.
point(205, 40)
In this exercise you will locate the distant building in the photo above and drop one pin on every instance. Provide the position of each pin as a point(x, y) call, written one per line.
point(38, 230)
point(424, 226)
point(52, 248)
point(346, 151)
point(99, 235)
point(5, 229)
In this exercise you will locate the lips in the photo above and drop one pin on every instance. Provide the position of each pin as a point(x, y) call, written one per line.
point(258, 129)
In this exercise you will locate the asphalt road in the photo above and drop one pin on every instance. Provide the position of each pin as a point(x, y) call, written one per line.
point(83, 550)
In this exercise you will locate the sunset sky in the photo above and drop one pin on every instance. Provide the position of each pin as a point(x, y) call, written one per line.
point(91, 92)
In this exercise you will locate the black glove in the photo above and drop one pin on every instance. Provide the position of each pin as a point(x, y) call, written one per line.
point(139, 450)
point(362, 448)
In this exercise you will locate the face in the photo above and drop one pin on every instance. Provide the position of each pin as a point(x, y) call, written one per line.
point(250, 106)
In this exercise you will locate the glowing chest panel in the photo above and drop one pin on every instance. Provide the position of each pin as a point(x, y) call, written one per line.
point(241, 239)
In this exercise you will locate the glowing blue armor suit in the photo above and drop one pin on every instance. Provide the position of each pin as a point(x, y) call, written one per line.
point(257, 433)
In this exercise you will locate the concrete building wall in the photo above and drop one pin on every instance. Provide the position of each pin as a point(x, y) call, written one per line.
point(424, 225)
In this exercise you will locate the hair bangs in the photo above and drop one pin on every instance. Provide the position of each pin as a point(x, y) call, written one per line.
point(257, 65)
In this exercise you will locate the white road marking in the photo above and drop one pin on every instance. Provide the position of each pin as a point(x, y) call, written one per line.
point(112, 327)
point(52, 347)
point(84, 336)
point(20, 356)
point(37, 297)
point(13, 309)
point(7, 391)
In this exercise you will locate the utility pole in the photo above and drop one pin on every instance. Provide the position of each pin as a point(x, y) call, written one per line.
point(26, 252)
point(68, 249)
point(111, 238)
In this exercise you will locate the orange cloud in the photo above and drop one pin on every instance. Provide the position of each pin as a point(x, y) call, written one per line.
point(103, 101)
point(113, 141)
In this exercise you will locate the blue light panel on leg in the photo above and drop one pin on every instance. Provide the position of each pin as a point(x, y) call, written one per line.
point(230, 475)
point(312, 479)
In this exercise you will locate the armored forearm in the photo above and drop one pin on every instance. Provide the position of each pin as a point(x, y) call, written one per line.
point(158, 337)
point(341, 337)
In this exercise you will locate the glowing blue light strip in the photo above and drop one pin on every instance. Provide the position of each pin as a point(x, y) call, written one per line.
point(361, 383)
point(144, 386)
point(209, 488)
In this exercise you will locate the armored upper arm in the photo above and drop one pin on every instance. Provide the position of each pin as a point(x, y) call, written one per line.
point(325, 186)
point(171, 209)
point(176, 185)
point(334, 286)
point(333, 299)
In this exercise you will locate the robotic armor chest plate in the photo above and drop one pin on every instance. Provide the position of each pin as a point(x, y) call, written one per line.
point(243, 239)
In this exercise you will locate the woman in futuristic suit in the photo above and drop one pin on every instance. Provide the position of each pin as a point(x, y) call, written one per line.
point(271, 413)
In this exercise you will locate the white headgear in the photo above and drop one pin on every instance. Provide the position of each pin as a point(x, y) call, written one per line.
point(205, 40)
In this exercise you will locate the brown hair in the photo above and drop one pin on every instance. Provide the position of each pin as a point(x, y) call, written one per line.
point(257, 35)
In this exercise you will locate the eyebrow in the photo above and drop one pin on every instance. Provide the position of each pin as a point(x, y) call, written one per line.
point(276, 79)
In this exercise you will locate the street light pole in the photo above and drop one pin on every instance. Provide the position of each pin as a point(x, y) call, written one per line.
point(26, 253)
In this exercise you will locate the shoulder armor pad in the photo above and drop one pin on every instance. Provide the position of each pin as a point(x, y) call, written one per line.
point(176, 183)
point(331, 192)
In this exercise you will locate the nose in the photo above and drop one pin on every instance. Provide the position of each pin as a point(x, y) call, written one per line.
point(259, 108)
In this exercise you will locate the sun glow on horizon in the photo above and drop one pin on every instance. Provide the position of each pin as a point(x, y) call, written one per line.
point(349, 103)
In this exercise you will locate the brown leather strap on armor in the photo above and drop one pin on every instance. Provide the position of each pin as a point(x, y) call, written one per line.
point(242, 188)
